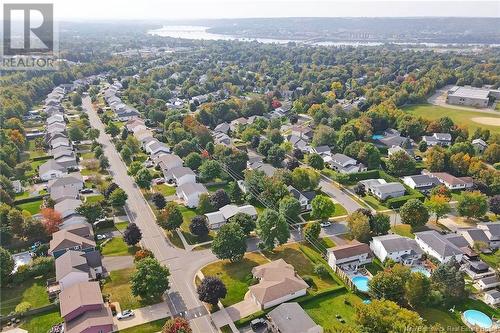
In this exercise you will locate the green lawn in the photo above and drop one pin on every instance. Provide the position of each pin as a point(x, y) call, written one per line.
point(375, 266)
point(32, 207)
point(188, 214)
point(236, 276)
point(151, 327)
point(88, 156)
point(32, 291)
point(43, 322)
point(22, 195)
point(403, 230)
point(374, 203)
point(94, 198)
point(442, 317)
point(323, 310)
point(117, 286)
point(492, 259)
point(339, 211)
point(117, 247)
point(164, 189)
point(462, 117)
point(117, 227)
point(294, 255)
point(213, 188)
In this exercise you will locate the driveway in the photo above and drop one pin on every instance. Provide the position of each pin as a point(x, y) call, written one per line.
point(115, 263)
point(144, 315)
point(243, 308)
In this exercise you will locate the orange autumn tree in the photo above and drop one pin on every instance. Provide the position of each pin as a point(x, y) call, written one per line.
point(51, 220)
point(176, 325)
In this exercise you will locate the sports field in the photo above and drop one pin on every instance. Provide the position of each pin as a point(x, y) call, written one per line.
point(470, 119)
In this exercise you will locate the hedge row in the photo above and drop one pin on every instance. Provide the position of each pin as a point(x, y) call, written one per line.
point(42, 158)
point(398, 202)
point(364, 175)
point(30, 199)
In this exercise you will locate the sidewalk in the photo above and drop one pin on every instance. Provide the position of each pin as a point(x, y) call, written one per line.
point(144, 315)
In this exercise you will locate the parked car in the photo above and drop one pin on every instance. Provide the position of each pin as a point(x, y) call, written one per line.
point(325, 224)
point(125, 314)
point(101, 237)
point(258, 323)
point(418, 158)
point(86, 191)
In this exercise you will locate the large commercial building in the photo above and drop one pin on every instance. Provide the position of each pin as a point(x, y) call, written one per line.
point(468, 96)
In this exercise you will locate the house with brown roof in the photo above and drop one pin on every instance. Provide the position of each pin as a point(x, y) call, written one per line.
point(352, 255)
point(278, 283)
point(452, 182)
point(78, 237)
point(83, 309)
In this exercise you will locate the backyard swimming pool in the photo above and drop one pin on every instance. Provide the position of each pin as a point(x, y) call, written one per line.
point(361, 282)
point(478, 318)
point(377, 136)
point(422, 270)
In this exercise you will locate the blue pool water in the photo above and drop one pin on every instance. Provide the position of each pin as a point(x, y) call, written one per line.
point(361, 282)
point(478, 318)
point(377, 136)
point(422, 270)
point(367, 301)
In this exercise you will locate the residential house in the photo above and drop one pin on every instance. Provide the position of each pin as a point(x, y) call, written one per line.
point(83, 309)
point(69, 222)
point(135, 125)
point(299, 143)
point(436, 245)
point(56, 128)
point(67, 207)
point(217, 219)
point(322, 151)
point(486, 283)
point(441, 139)
point(78, 237)
point(61, 193)
point(398, 248)
point(474, 236)
point(353, 254)
point(304, 198)
point(492, 297)
point(221, 138)
point(190, 193)
point(76, 266)
point(55, 118)
point(383, 190)
point(127, 114)
point(291, 318)
point(480, 145)
point(396, 149)
point(278, 283)
point(235, 124)
point(156, 147)
point(60, 142)
point(303, 132)
point(391, 139)
point(461, 243)
point(72, 180)
point(477, 269)
point(492, 231)
point(452, 182)
point(64, 156)
point(168, 161)
point(345, 164)
point(51, 170)
point(222, 128)
point(421, 182)
point(180, 176)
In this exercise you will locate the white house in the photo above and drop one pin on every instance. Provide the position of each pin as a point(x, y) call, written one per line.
point(398, 248)
point(452, 182)
point(291, 318)
point(383, 190)
point(486, 283)
point(344, 164)
point(190, 193)
point(51, 170)
point(492, 232)
point(436, 245)
point(218, 219)
point(480, 145)
point(180, 176)
point(442, 139)
point(421, 182)
point(278, 283)
point(155, 147)
point(352, 255)
point(492, 297)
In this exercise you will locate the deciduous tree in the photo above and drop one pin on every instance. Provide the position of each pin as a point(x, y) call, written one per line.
point(438, 205)
point(322, 207)
point(272, 229)
point(414, 213)
point(472, 204)
point(171, 217)
point(211, 290)
point(150, 280)
point(51, 220)
point(359, 226)
point(230, 242)
point(132, 234)
point(198, 226)
point(245, 221)
point(311, 232)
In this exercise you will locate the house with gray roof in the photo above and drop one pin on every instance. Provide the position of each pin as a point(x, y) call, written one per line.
point(422, 183)
point(344, 164)
point(492, 297)
point(190, 193)
point(67, 207)
point(383, 190)
point(217, 219)
point(64, 156)
point(480, 145)
point(441, 139)
point(180, 176)
point(487, 233)
point(74, 180)
point(304, 198)
point(51, 170)
point(60, 193)
point(76, 237)
point(436, 245)
point(486, 283)
point(398, 248)
point(291, 318)
point(222, 128)
point(76, 266)
point(299, 143)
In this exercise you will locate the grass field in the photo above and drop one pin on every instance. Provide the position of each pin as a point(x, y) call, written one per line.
point(151, 327)
point(188, 214)
point(374, 203)
point(323, 311)
point(164, 189)
point(492, 259)
point(403, 230)
point(32, 291)
point(94, 198)
point(42, 323)
point(117, 285)
point(461, 117)
point(117, 247)
point(32, 207)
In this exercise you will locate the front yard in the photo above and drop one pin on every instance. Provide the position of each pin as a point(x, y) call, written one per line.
point(188, 214)
point(492, 259)
point(117, 286)
point(117, 247)
point(33, 207)
point(151, 327)
point(42, 322)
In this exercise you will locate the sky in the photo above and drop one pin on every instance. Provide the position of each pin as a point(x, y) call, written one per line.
point(211, 9)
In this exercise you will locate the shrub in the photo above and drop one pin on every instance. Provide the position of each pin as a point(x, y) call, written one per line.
point(23, 307)
point(308, 279)
point(321, 270)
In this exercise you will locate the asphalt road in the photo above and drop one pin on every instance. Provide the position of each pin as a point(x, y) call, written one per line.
point(183, 265)
point(339, 195)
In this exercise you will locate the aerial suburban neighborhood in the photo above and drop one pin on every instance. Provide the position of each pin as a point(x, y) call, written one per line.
point(176, 185)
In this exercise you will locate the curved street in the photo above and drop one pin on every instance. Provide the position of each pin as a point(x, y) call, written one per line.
point(182, 297)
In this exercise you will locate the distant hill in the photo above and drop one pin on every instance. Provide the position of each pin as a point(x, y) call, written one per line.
point(423, 30)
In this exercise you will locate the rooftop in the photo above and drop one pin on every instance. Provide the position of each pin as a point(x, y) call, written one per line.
point(469, 92)
point(291, 318)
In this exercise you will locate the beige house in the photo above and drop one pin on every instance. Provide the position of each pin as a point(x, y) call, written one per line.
point(291, 318)
point(278, 283)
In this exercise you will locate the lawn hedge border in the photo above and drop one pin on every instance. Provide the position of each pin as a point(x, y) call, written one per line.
point(42, 158)
point(30, 199)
